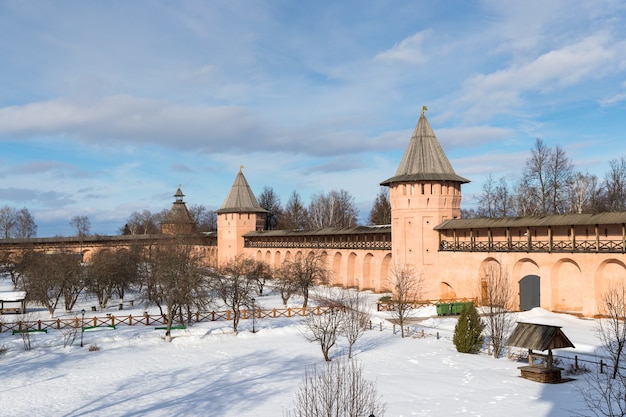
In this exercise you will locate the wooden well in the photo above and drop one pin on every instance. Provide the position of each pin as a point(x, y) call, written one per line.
point(540, 337)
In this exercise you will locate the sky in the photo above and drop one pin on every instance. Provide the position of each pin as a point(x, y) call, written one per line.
point(106, 107)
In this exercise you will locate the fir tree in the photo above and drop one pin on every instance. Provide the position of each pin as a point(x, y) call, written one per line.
point(468, 336)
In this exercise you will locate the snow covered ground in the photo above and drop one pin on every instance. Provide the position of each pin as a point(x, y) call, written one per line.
point(208, 371)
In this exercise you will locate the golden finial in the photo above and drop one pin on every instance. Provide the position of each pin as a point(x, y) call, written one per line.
point(424, 108)
point(240, 168)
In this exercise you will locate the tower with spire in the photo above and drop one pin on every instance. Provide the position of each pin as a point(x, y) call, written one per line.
point(178, 220)
point(241, 213)
point(424, 192)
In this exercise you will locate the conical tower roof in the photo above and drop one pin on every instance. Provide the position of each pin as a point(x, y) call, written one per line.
point(424, 159)
point(241, 199)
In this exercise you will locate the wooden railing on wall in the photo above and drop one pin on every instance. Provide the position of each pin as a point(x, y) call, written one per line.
point(562, 246)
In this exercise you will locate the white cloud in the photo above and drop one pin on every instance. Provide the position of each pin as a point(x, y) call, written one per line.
point(502, 90)
point(409, 50)
point(614, 98)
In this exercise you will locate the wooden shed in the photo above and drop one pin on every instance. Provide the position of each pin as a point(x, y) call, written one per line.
point(12, 301)
point(540, 337)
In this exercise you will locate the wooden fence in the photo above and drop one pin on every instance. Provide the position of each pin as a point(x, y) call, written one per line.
point(391, 305)
point(110, 321)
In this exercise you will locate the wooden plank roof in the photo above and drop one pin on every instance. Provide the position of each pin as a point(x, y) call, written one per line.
point(241, 199)
point(326, 231)
point(538, 337)
point(424, 159)
point(535, 221)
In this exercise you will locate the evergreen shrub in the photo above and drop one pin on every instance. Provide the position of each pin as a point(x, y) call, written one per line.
point(468, 331)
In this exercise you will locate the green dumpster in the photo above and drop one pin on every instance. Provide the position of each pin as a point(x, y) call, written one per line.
point(458, 307)
point(444, 309)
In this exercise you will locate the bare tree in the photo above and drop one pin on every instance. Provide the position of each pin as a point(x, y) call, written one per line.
point(487, 200)
point(16, 224)
point(560, 171)
point(270, 201)
point(205, 219)
point(112, 270)
point(339, 389)
point(605, 392)
point(355, 316)
point(615, 183)
point(497, 299)
point(261, 274)
point(545, 179)
point(335, 209)
point(81, 225)
point(71, 272)
point(143, 223)
point(584, 193)
point(536, 175)
point(381, 210)
point(324, 328)
point(308, 271)
point(612, 328)
point(235, 285)
point(407, 289)
point(47, 277)
point(285, 283)
point(174, 280)
point(8, 261)
point(526, 197)
point(295, 215)
point(7, 222)
point(100, 276)
point(26, 227)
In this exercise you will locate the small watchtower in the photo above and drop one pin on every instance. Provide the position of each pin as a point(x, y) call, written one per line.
point(178, 220)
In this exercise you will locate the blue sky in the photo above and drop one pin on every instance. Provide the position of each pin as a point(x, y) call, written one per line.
point(105, 107)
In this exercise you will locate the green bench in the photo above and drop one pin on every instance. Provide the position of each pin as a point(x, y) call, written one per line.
point(30, 331)
point(89, 328)
point(177, 327)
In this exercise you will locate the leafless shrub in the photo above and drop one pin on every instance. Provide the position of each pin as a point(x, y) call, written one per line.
point(407, 288)
point(356, 317)
point(497, 300)
point(69, 335)
point(93, 348)
point(337, 389)
point(605, 392)
point(324, 329)
point(573, 369)
point(23, 330)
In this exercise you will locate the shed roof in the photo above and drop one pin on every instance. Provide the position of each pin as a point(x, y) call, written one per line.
point(424, 159)
point(8, 296)
point(534, 221)
point(538, 337)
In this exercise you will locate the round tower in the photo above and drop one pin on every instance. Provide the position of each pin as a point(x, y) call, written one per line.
point(241, 213)
point(424, 192)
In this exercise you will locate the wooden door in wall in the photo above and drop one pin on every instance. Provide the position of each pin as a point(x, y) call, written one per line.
point(529, 292)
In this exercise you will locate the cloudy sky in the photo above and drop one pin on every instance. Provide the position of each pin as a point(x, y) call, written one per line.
point(105, 107)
